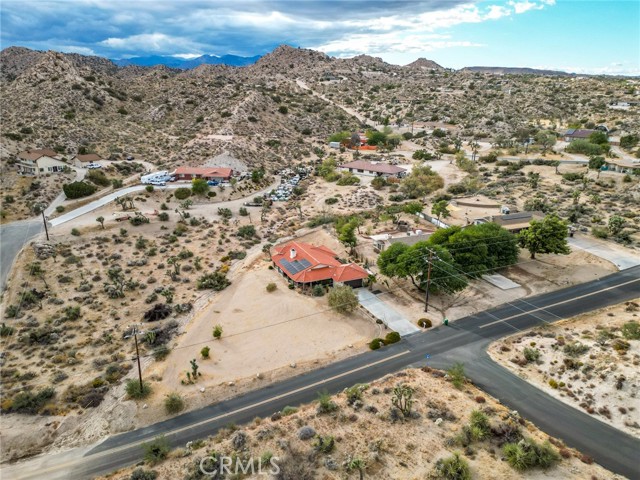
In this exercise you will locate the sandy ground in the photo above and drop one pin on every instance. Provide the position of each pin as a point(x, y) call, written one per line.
point(263, 332)
point(591, 386)
point(402, 450)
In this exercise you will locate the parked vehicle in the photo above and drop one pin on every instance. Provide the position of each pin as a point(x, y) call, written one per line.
point(213, 183)
point(161, 176)
point(130, 157)
point(158, 183)
point(92, 166)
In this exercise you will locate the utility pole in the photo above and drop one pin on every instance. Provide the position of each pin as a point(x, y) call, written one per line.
point(135, 337)
point(44, 220)
point(426, 297)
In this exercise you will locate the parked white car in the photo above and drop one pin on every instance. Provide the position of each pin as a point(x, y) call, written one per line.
point(92, 166)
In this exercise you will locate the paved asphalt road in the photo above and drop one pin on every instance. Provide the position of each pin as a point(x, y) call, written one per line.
point(12, 237)
point(465, 341)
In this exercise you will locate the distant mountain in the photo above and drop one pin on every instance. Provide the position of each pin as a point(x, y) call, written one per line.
point(184, 64)
point(424, 64)
point(516, 71)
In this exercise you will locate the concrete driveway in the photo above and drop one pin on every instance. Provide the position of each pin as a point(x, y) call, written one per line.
point(379, 309)
point(620, 256)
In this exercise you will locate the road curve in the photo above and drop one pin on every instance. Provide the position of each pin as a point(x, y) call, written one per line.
point(465, 340)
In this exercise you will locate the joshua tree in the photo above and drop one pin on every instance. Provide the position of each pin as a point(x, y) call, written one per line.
point(357, 464)
point(100, 220)
point(194, 369)
point(402, 399)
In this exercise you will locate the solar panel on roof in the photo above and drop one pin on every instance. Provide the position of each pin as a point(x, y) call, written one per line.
point(296, 266)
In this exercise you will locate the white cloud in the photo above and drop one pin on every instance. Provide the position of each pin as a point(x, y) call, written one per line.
point(526, 5)
point(186, 56)
point(76, 49)
point(150, 42)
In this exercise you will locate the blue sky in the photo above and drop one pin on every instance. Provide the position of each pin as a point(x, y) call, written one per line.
point(574, 35)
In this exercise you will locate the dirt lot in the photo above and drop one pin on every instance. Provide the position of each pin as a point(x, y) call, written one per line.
point(389, 450)
point(601, 377)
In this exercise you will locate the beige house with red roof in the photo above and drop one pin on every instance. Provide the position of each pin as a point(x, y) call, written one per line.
point(208, 173)
point(373, 169)
point(306, 265)
point(40, 162)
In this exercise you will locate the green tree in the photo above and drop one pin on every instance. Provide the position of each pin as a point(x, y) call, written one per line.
point(596, 162)
point(440, 208)
point(599, 138)
point(100, 220)
point(342, 299)
point(347, 234)
point(546, 140)
point(421, 182)
point(340, 137)
point(199, 186)
point(478, 249)
point(533, 179)
point(376, 137)
point(629, 141)
point(616, 224)
point(546, 236)
point(412, 262)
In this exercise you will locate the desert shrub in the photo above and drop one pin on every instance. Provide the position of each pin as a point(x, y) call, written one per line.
point(161, 352)
point(331, 200)
point(527, 454)
point(141, 474)
point(75, 232)
point(392, 337)
point(354, 393)
point(182, 193)
point(156, 450)
point(425, 323)
point(621, 346)
point(318, 290)
point(6, 330)
point(599, 232)
point(163, 216)
point(134, 391)
point(479, 428)
point(553, 383)
point(376, 343)
point(173, 403)
point(271, 287)
point(342, 299)
point(213, 281)
point(348, 179)
point(217, 331)
point(286, 411)
point(60, 209)
point(98, 177)
point(575, 349)
point(454, 467)
point(205, 352)
point(531, 354)
point(325, 403)
point(149, 188)
point(28, 402)
point(78, 189)
point(324, 444)
point(456, 374)
point(246, 231)
point(631, 330)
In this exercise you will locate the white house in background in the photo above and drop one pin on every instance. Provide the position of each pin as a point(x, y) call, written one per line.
point(82, 161)
point(373, 169)
point(384, 240)
point(40, 162)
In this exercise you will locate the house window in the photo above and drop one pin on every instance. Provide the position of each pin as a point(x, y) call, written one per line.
point(360, 171)
point(42, 169)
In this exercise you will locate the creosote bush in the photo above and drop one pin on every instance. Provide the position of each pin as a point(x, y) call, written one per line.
point(173, 403)
point(271, 287)
point(133, 389)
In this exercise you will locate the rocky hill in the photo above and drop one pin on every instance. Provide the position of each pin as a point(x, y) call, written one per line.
point(261, 115)
point(424, 64)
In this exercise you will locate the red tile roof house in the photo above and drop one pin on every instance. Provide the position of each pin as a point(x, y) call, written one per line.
point(208, 173)
point(307, 265)
point(36, 162)
point(360, 167)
